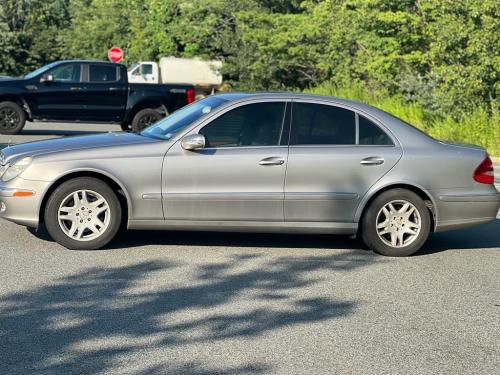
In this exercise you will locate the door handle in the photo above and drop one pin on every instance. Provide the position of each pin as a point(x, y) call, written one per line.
point(75, 88)
point(372, 160)
point(114, 89)
point(273, 160)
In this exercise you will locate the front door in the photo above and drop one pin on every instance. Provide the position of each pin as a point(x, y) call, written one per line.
point(61, 96)
point(335, 156)
point(240, 173)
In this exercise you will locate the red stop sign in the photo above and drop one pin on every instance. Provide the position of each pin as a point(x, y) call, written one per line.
point(115, 54)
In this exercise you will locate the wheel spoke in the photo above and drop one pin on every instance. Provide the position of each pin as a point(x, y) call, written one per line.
point(73, 229)
point(404, 208)
point(392, 210)
point(412, 224)
point(394, 239)
point(67, 209)
point(384, 224)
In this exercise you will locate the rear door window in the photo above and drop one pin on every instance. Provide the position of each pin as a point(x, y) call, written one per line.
point(319, 124)
point(102, 73)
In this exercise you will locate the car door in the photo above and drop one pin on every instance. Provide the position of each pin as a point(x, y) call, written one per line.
point(239, 175)
point(106, 92)
point(57, 94)
point(335, 156)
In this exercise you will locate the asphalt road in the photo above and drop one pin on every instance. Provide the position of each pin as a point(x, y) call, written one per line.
point(206, 304)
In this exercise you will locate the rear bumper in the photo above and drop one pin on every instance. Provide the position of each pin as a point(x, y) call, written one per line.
point(20, 201)
point(461, 210)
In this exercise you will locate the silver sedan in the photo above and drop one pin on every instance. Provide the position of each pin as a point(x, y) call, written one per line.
point(253, 162)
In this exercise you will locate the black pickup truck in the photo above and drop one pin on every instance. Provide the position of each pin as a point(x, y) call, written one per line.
point(86, 91)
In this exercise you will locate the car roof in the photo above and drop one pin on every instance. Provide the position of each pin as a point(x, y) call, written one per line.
point(88, 61)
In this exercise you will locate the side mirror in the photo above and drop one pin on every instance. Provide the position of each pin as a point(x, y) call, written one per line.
point(193, 142)
point(47, 78)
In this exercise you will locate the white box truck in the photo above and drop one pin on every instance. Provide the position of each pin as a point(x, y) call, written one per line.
point(205, 76)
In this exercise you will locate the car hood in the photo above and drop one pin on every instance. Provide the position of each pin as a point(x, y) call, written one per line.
point(6, 80)
point(73, 143)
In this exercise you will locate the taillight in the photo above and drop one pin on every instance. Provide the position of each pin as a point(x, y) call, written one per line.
point(190, 95)
point(484, 172)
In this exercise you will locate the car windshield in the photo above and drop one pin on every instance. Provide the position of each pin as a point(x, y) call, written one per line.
point(40, 70)
point(177, 121)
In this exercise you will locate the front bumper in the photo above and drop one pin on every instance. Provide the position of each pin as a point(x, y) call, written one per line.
point(21, 200)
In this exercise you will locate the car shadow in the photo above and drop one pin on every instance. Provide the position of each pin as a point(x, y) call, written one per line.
point(482, 237)
point(485, 236)
point(137, 238)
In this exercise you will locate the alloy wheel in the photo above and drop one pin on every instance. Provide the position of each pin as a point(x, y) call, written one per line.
point(9, 118)
point(84, 215)
point(398, 223)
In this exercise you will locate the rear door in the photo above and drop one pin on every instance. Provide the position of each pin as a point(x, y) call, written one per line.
point(335, 156)
point(105, 96)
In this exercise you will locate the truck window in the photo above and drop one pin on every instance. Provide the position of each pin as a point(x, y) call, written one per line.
point(66, 73)
point(102, 73)
point(146, 69)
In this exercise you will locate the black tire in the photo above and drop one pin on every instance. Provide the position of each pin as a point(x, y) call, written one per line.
point(62, 192)
point(125, 127)
point(368, 229)
point(12, 118)
point(144, 118)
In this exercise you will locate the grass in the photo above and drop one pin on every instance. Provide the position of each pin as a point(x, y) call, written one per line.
point(481, 127)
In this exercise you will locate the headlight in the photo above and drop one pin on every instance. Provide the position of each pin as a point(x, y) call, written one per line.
point(10, 172)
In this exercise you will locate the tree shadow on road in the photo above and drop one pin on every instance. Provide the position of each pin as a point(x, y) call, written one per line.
point(90, 321)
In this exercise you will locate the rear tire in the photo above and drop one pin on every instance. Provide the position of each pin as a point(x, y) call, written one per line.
point(83, 214)
point(397, 223)
point(145, 118)
point(12, 118)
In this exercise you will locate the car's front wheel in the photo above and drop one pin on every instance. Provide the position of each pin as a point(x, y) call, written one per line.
point(397, 223)
point(83, 214)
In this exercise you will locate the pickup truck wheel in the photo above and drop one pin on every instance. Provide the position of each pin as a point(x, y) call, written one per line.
point(125, 127)
point(12, 118)
point(144, 118)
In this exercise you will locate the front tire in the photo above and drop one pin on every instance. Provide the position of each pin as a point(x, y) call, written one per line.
point(83, 214)
point(145, 118)
point(12, 118)
point(397, 223)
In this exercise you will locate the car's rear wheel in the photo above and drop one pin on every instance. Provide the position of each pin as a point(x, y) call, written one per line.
point(83, 214)
point(12, 118)
point(397, 223)
point(145, 118)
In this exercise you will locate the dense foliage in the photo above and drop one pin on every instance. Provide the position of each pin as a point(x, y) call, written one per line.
point(440, 56)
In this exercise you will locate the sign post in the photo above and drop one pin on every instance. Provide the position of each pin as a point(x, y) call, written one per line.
point(115, 54)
